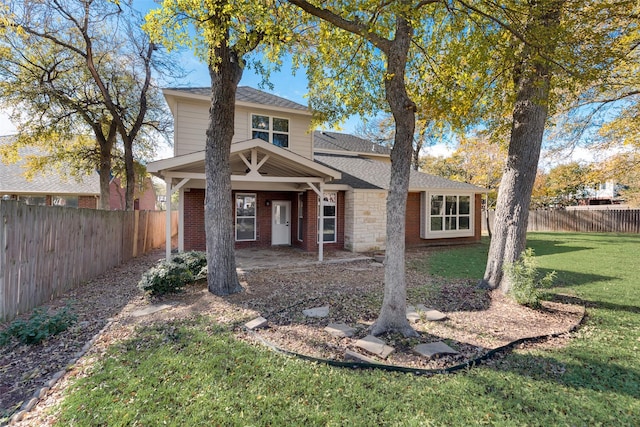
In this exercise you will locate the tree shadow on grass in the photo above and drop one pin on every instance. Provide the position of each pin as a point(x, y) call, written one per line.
point(582, 373)
point(567, 299)
point(567, 278)
point(554, 247)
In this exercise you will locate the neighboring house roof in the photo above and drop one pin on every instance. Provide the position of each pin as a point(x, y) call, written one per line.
point(248, 95)
point(323, 140)
point(364, 173)
point(13, 181)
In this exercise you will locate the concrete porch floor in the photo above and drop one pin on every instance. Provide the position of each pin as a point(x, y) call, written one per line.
point(285, 256)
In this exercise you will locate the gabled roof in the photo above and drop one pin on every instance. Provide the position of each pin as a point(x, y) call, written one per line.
point(365, 173)
point(13, 181)
point(244, 94)
point(271, 161)
point(331, 141)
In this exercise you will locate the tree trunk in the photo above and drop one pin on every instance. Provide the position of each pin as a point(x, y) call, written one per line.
point(225, 75)
point(487, 220)
point(529, 117)
point(130, 173)
point(393, 314)
point(105, 179)
point(105, 146)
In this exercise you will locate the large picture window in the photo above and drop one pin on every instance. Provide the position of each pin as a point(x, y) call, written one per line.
point(447, 215)
point(245, 217)
point(329, 212)
point(274, 130)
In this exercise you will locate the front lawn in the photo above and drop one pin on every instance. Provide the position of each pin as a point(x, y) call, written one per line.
point(194, 372)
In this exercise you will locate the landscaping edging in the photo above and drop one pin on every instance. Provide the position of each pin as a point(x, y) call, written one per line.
point(417, 371)
point(41, 392)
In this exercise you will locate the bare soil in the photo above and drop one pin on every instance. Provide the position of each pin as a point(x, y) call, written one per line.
point(477, 322)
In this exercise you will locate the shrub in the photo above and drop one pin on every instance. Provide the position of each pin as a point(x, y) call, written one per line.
point(40, 325)
point(173, 276)
point(193, 260)
point(525, 280)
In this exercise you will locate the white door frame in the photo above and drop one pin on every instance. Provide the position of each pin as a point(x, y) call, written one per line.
point(280, 231)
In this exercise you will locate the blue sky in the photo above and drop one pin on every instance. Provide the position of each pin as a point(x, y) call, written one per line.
point(285, 84)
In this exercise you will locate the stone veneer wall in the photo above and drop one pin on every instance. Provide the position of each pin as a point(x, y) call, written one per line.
point(366, 220)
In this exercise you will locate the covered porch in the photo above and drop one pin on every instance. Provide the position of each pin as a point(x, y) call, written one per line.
point(268, 183)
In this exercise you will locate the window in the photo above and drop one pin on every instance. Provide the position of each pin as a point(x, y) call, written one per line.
point(300, 217)
point(34, 200)
point(68, 201)
point(245, 217)
point(446, 215)
point(271, 129)
point(329, 212)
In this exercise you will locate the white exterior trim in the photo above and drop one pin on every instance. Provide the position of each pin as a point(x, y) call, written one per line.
point(172, 93)
point(425, 215)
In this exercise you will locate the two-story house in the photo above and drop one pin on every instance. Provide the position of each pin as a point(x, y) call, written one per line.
point(286, 180)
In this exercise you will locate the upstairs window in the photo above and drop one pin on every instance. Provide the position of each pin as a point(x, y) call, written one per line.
point(274, 130)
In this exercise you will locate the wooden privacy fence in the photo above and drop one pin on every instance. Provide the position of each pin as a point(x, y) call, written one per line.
point(46, 250)
point(581, 221)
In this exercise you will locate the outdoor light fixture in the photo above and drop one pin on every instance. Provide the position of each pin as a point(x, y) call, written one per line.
point(267, 202)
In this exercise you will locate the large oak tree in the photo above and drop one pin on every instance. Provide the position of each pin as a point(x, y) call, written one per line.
point(397, 57)
point(557, 48)
point(77, 68)
point(224, 33)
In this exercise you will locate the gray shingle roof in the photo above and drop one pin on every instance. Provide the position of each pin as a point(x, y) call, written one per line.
point(13, 181)
point(248, 94)
point(364, 173)
point(345, 142)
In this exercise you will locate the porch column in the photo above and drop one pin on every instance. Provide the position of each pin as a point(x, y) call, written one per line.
point(181, 221)
point(169, 192)
point(167, 243)
point(321, 224)
point(319, 191)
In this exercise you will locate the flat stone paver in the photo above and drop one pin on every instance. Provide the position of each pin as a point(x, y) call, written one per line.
point(431, 314)
point(257, 323)
point(317, 311)
point(432, 349)
point(375, 346)
point(412, 314)
point(154, 308)
point(357, 357)
point(340, 330)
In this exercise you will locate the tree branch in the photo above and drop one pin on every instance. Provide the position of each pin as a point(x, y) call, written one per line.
point(347, 25)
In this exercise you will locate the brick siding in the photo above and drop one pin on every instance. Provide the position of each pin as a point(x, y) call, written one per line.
point(412, 225)
point(87, 202)
point(195, 239)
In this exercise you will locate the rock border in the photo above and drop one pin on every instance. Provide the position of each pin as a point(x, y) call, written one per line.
point(42, 392)
point(355, 364)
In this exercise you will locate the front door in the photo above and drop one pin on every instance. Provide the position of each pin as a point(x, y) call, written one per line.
point(280, 222)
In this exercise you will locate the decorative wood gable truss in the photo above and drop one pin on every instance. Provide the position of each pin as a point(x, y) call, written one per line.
point(255, 162)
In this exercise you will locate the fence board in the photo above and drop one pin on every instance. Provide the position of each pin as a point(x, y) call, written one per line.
point(581, 221)
point(46, 250)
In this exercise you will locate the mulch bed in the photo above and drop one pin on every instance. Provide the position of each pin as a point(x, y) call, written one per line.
point(477, 321)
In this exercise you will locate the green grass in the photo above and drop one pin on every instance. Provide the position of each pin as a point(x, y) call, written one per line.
point(195, 373)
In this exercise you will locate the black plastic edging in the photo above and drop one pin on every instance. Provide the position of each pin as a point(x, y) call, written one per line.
point(417, 371)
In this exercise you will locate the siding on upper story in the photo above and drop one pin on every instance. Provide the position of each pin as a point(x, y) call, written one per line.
point(191, 118)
